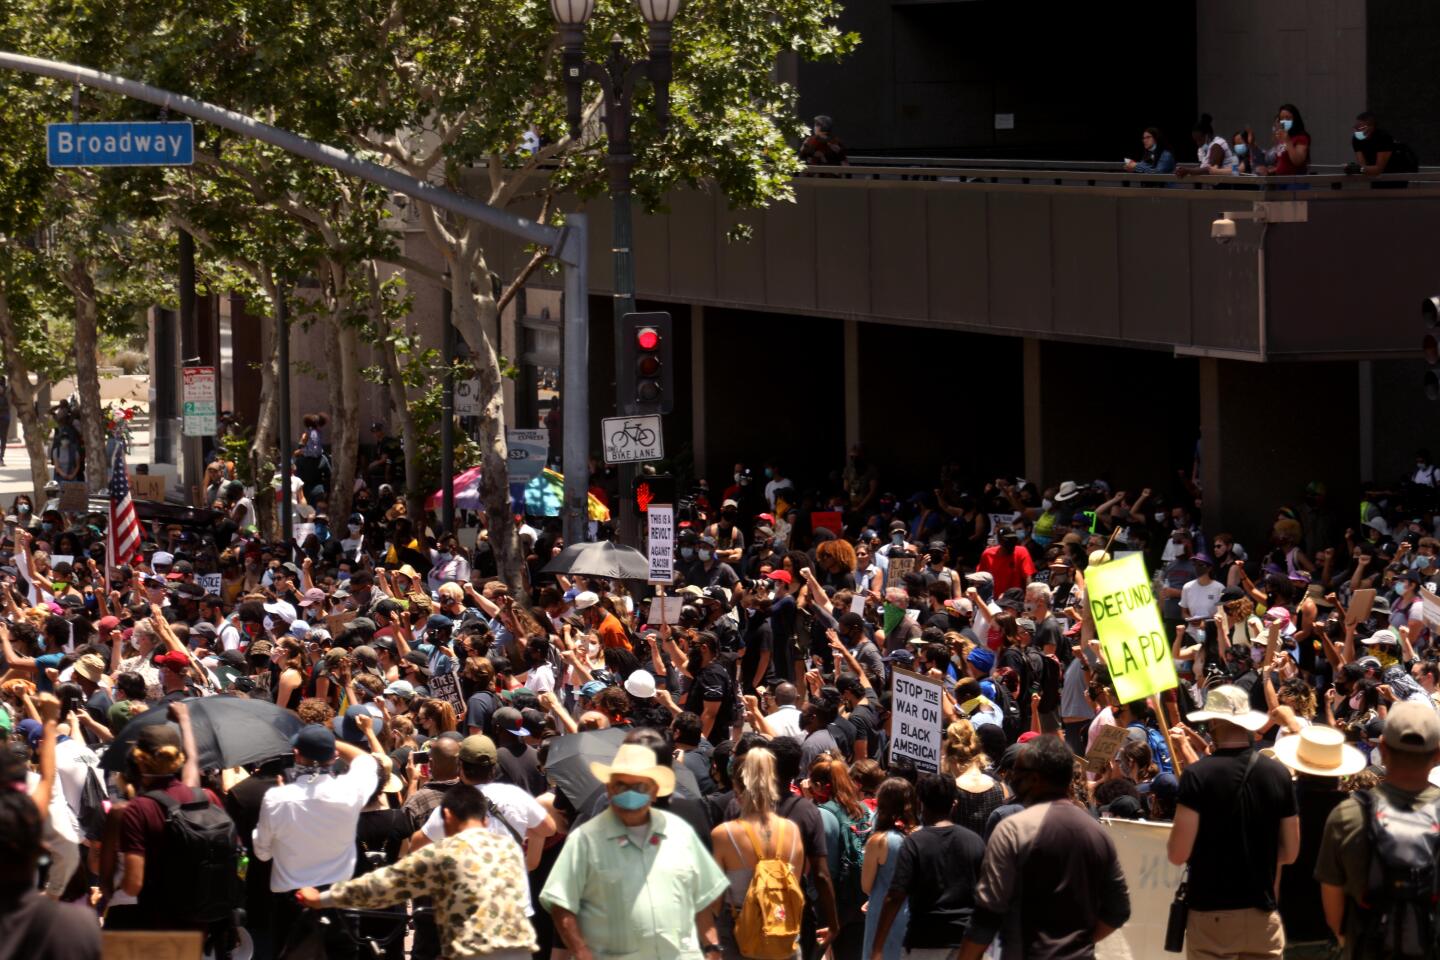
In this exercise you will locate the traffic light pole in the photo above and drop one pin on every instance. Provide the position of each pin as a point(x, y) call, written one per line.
point(628, 530)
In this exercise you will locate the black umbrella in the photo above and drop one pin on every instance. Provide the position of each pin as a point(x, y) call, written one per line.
point(609, 560)
point(229, 732)
point(567, 763)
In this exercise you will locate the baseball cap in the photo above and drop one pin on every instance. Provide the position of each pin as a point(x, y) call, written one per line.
point(509, 720)
point(980, 577)
point(314, 742)
point(640, 684)
point(904, 657)
point(349, 731)
point(1384, 637)
point(172, 659)
point(479, 748)
point(162, 559)
point(438, 621)
point(591, 688)
point(108, 623)
point(312, 596)
point(32, 729)
point(401, 688)
point(1166, 786)
point(1412, 728)
point(781, 576)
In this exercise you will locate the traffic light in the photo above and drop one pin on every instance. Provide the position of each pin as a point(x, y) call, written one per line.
point(1430, 315)
point(656, 489)
point(647, 368)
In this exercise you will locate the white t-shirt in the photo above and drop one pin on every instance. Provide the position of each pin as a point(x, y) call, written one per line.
point(520, 810)
point(542, 679)
point(1200, 600)
point(74, 762)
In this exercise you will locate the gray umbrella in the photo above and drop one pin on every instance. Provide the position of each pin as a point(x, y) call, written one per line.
point(567, 764)
point(609, 560)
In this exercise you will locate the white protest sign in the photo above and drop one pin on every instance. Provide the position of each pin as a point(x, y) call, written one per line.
point(1151, 879)
point(58, 558)
point(446, 686)
point(915, 727)
point(857, 604)
point(1430, 608)
point(664, 610)
point(210, 581)
point(999, 521)
point(660, 518)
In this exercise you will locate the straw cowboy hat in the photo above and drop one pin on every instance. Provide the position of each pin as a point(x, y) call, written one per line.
point(1320, 752)
point(636, 760)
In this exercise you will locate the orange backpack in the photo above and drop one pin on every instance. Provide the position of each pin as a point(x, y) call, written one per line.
point(768, 924)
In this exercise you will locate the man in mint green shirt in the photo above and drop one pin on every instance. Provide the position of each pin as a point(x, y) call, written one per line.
point(635, 883)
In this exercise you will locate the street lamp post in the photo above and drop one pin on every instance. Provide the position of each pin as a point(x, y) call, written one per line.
point(618, 78)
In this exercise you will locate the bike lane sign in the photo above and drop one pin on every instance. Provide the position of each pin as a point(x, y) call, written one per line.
point(632, 439)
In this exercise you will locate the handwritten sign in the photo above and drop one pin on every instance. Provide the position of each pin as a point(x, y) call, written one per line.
point(147, 487)
point(210, 581)
point(661, 522)
point(74, 497)
point(446, 686)
point(1107, 743)
point(916, 724)
point(1128, 622)
point(148, 945)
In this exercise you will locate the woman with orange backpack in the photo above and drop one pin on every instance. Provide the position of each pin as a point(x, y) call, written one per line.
point(763, 856)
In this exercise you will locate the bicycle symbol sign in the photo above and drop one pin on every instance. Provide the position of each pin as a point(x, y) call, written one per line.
point(632, 439)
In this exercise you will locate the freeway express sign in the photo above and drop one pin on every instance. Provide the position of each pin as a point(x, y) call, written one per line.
point(144, 144)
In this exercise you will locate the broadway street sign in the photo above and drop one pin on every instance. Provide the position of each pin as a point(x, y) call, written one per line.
point(145, 144)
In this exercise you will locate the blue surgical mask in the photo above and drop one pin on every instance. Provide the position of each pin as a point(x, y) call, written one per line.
point(1241, 149)
point(769, 473)
point(705, 555)
point(1359, 134)
point(343, 575)
point(1287, 124)
point(631, 800)
point(688, 553)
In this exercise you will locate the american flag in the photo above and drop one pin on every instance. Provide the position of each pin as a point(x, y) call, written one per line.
point(124, 525)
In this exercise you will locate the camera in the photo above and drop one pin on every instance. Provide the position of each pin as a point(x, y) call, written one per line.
point(1222, 231)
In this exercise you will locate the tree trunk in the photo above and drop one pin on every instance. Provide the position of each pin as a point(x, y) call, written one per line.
point(23, 402)
point(415, 494)
point(471, 306)
point(87, 375)
point(263, 452)
point(345, 435)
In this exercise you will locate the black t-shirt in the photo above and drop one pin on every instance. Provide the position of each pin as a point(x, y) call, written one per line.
point(759, 639)
point(719, 575)
point(714, 685)
point(378, 836)
point(1372, 146)
point(520, 765)
point(1233, 862)
point(937, 870)
point(866, 721)
point(1300, 905)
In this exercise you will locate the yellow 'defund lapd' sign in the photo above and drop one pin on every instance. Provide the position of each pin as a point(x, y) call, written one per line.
point(1122, 604)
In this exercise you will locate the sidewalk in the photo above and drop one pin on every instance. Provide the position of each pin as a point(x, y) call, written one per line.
point(15, 474)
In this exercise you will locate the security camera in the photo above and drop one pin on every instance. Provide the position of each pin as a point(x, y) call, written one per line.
point(1222, 231)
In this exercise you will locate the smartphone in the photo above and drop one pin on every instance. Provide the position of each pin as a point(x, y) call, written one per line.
point(421, 757)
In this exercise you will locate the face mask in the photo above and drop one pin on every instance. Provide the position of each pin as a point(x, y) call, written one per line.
point(354, 527)
point(1241, 149)
point(60, 584)
point(1047, 503)
point(737, 478)
point(24, 508)
point(688, 553)
point(47, 527)
point(898, 539)
point(1160, 518)
point(343, 575)
point(705, 555)
point(1287, 124)
point(1359, 134)
point(631, 800)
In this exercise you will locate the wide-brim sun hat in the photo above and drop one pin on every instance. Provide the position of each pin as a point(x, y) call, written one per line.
point(636, 760)
point(1321, 752)
point(1231, 704)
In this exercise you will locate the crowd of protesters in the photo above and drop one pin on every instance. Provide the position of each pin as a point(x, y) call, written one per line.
point(473, 770)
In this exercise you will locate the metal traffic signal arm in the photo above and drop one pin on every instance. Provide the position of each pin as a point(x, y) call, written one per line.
point(567, 244)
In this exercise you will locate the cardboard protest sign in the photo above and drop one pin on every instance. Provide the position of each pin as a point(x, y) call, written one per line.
point(1107, 743)
point(1122, 604)
point(664, 610)
point(1360, 605)
point(897, 567)
point(74, 497)
point(916, 726)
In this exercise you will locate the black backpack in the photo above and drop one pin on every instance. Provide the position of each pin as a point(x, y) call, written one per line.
point(1398, 918)
point(195, 882)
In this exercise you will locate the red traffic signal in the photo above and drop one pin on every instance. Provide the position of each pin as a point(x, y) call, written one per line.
point(645, 363)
